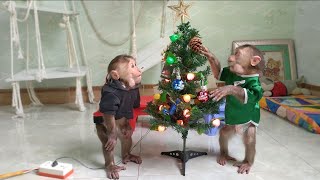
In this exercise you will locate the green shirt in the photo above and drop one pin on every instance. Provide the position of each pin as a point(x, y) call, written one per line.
point(237, 112)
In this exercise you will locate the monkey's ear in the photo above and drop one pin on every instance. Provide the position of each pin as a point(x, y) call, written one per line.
point(114, 74)
point(255, 60)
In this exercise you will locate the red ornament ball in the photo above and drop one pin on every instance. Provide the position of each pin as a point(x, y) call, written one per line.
point(203, 96)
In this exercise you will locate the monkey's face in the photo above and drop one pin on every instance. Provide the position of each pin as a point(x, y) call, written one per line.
point(130, 74)
point(239, 63)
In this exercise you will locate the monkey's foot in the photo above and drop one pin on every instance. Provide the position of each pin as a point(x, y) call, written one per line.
point(112, 171)
point(132, 158)
point(222, 159)
point(243, 167)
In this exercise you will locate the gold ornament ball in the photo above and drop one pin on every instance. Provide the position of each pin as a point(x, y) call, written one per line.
point(156, 96)
point(186, 98)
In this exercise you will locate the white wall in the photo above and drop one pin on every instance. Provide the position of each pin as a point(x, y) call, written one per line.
point(219, 23)
point(307, 40)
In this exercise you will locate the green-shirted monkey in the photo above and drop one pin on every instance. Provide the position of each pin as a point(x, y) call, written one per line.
point(242, 91)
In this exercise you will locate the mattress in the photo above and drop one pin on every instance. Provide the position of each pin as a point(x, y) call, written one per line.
point(301, 110)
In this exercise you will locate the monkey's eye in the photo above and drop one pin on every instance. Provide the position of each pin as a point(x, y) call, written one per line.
point(237, 55)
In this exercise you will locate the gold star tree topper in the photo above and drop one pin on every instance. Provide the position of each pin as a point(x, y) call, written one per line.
point(181, 10)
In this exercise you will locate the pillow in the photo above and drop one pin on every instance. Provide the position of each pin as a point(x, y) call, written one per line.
point(267, 85)
point(291, 85)
point(293, 89)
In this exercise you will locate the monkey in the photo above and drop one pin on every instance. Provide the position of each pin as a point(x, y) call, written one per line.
point(242, 91)
point(117, 101)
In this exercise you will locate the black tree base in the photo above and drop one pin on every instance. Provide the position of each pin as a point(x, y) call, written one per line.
point(184, 155)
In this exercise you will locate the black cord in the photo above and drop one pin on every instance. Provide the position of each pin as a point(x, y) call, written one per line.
point(55, 162)
point(66, 157)
point(135, 144)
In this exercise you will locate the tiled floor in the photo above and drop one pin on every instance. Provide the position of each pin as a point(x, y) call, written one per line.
point(284, 151)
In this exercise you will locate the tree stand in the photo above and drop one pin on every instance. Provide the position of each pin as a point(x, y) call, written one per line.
point(184, 155)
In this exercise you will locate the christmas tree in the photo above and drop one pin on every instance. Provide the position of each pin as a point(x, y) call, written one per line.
point(184, 99)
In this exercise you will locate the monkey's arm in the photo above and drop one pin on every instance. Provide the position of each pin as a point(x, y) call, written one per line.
point(248, 95)
point(215, 65)
point(109, 105)
point(238, 92)
point(235, 91)
point(110, 124)
point(253, 93)
point(213, 61)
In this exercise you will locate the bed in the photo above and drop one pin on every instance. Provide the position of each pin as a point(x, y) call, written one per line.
point(302, 110)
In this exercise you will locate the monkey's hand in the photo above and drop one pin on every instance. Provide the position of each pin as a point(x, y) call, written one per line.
point(213, 61)
point(112, 171)
point(112, 141)
point(223, 91)
point(205, 51)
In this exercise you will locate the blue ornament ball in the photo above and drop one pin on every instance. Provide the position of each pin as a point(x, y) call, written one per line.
point(178, 84)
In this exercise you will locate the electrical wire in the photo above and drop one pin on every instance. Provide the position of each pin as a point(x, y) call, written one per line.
point(55, 162)
point(67, 157)
point(142, 137)
point(97, 168)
